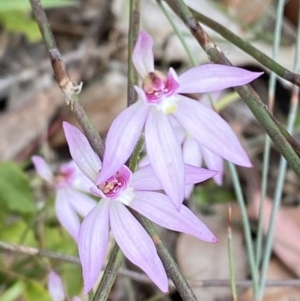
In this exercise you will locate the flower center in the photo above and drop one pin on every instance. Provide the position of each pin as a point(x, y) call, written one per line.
point(113, 186)
point(160, 90)
point(117, 186)
point(155, 86)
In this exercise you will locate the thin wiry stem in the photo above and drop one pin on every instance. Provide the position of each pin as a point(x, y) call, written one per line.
point(177, 32)
point(169, 263)
point(287, 146)
point(281, 173)
point(266, 160)
point(246, 226)
point(292, 77)
point(110, 273)
point(70, 89)
point(134, 27)
point(231, 256)
point(139, 277)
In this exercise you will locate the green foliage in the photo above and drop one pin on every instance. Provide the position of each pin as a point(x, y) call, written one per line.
point(13, 292)
point(19, 21)
point(15, 16)
point(35, 291)
point(72, 278)
point(205, 195)
point(15, 191)
point(24, 5)
point(17, 231)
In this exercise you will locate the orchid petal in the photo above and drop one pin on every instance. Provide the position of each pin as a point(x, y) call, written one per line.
point(188, 189)
point(76, 178)
point(142, 57)
point(211, 131)
point(93, 242)
point(158, 208)
point(141, 95)
point(97, 192)
point(42, 168)
point(136, 244)
point(81, 202)
point(196, 174)
point(121, 139)
point(82, 152)
point(66, 213)
point(213, 77)
point(145, 179)
point(214, 162)
point(173, 81)
point(191, 155)
point(144, 161)
point(55, 287)
point(191, 152)
point(165, 155)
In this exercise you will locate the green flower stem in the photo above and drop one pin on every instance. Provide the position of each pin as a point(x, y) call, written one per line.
point(266, 160)
point(90, 132)
point(246, 226)
point(281, 173)
point(134, 27)
point(43, 24)
point(248, 48)
point(287, 146)
point(231, 256)
point(135, 157)
point(169, 263)
point(110, 273)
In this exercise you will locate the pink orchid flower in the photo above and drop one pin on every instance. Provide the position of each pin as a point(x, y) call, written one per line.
point(56, 288)
point(122, 190)
point(70, 201)
point(160, 101)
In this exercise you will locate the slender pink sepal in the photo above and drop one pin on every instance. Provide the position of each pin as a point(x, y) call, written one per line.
point(214, 162)
point(55, 287)
point(210, 131)
point(214, 77)
point(122, 137)
point(82, 152)
point(145, 179)
point(165, 155)
point(93, 242)
point(66, 213)
point(142, 57)
point(42, 168)
point(136, 244)
point(158, 208)
point(191, 155)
